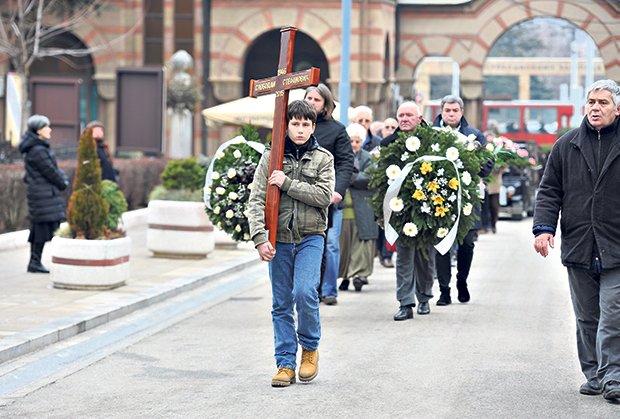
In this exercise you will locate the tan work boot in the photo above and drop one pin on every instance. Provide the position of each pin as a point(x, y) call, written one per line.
point(309, 365)
point(284, 378)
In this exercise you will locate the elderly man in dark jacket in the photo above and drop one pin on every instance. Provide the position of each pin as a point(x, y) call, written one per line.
point(452, 116)
point(581, 180)
point(46, 203)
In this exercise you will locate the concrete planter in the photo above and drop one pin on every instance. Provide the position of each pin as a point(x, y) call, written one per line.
point(90, 264)
point(179, 229)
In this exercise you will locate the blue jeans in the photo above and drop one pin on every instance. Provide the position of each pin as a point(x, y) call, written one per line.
point(295, 273)
point(332, 256)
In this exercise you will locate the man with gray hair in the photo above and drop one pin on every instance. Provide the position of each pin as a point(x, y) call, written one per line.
point(581, 181)
point(414, 272)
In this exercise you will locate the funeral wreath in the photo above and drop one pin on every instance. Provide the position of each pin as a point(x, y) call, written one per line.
point(426, 185)
point(228, 185)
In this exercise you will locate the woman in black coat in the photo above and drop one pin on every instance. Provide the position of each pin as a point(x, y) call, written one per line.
point(333, 136)
point(46, 203)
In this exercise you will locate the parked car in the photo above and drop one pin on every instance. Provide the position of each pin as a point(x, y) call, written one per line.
point(519, 186)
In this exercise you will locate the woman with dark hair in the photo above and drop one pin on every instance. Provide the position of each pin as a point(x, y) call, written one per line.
point(46, 203)
point(333, 136)
point(103, 152)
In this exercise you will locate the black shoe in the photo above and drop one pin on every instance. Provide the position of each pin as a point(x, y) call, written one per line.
point(330, 300)
point(591, 388)
point(344, 285)
point(37, 268)
point(364, 280)
point(424, 308)
point(358, 283)
point(444, 299)
point(612, 390)
point(404, 313)
point(461, 287)
point(387, 263)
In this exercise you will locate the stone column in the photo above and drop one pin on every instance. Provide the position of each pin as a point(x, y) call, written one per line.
point(471, 93)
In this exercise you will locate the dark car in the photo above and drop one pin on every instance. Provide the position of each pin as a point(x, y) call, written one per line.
point(519, 185)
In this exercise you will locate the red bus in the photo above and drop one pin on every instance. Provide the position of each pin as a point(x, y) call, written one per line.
point(520, 120)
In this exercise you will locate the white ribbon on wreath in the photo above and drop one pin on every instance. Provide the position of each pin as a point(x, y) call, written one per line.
point(260, 148)
point(391, 235)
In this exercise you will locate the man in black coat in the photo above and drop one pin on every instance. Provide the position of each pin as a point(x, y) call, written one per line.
point(581, 181)
point(452, 116)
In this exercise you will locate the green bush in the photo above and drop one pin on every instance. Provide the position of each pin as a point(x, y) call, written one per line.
point(87, 210)
point(117, 204)
point(183, 174)
point(161, 193)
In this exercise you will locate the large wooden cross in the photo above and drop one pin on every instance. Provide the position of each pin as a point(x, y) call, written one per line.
point(280, 85)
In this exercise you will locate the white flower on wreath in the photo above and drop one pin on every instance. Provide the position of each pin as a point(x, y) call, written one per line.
point(237, 154)
point(467, 209)
point(410, 229)
point(435, 147)
point(412, 143)
point(231, 173)
point(246, 237)
point(230, 214)
point(238, 228)
point(452, 153)
point(220, 191)
point(425, 208)
point(471, 146)
point(442, 232)
point(490, 147)
point(466, 178)
point(452, 198)
point(233, 196)
point(418, 183)
point(459, 164)
point(440, 171)
point(392, 171)
point(216, 210)
point(251, 186)
point(215, 175)
point(396, 204)
point(404, 156)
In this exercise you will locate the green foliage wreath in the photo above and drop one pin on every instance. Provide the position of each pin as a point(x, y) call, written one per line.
point(426, 207)
point(231, 181)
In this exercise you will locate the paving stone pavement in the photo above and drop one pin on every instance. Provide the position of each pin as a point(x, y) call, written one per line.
point(33, 314)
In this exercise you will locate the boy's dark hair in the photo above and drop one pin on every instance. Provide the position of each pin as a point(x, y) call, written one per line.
point(300, 109)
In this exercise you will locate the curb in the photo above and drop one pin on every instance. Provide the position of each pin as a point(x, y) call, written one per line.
point(36, 338)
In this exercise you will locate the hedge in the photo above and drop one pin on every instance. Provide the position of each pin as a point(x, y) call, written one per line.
point(138, 177)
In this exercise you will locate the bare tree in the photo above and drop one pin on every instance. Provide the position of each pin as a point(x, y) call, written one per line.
point(28, 28)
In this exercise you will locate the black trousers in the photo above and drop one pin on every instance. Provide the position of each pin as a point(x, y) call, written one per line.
point(465, 255)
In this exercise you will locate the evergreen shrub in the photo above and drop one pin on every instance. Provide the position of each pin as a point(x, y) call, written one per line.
point(87, 210)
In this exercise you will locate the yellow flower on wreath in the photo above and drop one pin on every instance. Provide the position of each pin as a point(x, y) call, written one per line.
point(437, 200)
point(453, 184)
point(419, 195)
point(441, 211)
point(426, 167)
point(432, 186)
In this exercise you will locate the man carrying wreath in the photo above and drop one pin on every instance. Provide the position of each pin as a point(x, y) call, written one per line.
point(414, 273)
point(452, 116)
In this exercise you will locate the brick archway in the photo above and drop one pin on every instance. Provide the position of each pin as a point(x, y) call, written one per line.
point(228, 60)
point(466, 33)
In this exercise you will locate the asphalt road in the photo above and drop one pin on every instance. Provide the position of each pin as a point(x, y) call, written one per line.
point(509, 353)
